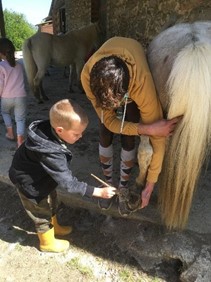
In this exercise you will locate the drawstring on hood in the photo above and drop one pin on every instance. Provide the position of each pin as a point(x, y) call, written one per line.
point(101, 118)
point(124, 113)
point(126, 100)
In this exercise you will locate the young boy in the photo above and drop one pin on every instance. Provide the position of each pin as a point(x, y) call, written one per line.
point(41, 163)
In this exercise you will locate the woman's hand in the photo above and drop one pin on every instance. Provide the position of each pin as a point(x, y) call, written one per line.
point(146, 194)
point(162, 128)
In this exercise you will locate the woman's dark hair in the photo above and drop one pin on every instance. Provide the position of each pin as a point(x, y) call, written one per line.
point(109, 81)
point(7, 49)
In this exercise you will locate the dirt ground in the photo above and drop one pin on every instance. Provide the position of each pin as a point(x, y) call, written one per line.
point(94, 255)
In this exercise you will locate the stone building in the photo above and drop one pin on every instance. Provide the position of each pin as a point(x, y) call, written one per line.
point(46, 25)
point(139, 19)
point(143, 20)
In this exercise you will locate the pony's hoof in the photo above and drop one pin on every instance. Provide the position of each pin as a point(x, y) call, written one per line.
point(45, 98)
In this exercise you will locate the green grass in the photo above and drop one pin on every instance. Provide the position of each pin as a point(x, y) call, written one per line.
point(84, 270)
point(128, 275)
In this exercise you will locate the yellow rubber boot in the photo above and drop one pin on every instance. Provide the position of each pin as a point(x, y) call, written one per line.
point(59, 229)
point(48, 243)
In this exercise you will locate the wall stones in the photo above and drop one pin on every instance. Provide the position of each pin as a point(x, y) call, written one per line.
point(143, 20)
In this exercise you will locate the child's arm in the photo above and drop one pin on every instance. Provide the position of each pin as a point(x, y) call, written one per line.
point(105, 192)
point(56, 166)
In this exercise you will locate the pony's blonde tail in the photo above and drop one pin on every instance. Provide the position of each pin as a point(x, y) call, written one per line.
point(189, 90)
point(29, 63)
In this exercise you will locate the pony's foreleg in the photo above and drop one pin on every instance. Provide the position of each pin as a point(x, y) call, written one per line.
point(144, 158)
point(79, 65)
point(72, 77)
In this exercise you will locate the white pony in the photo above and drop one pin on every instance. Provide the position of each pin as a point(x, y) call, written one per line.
point(44, 49)
point(180, 62)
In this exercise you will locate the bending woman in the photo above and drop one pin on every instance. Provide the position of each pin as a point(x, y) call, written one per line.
point(117, 75)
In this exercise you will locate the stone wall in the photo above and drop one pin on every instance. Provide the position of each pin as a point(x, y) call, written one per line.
point(56, 6)
point(78, 13)
point(138, 19)
point(143, 20)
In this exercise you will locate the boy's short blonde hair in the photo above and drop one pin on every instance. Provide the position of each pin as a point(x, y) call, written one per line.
point(65, 113)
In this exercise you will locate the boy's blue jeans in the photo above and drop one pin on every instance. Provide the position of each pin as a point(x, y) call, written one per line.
point(18, 105)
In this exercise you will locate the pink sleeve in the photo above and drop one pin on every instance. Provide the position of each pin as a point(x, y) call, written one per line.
point(2, 78)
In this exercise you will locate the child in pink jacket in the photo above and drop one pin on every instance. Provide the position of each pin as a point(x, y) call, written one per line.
point(12, 91)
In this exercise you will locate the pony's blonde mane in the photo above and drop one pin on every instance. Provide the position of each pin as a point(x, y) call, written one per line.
point(189, 90)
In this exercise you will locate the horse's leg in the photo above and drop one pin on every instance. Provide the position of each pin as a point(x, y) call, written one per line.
point(66, 72)
point(42, 58)
point(36, 92)
point(38, 85)
point(144, 158)
point(42, 92)
point(79, 65)
point(72, 77)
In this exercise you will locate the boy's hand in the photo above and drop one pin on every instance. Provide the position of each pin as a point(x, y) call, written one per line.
point(105, 192)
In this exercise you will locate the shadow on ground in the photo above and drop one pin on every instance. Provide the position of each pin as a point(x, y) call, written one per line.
point(91, 232)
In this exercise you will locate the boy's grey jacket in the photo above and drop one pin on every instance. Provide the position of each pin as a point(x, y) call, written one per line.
point(42, 162)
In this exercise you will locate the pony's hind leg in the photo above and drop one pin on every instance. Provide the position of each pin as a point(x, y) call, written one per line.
point(36, 93)
point(38, 90)
point(42, 92)
point(144, 158)
point(79, 65)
